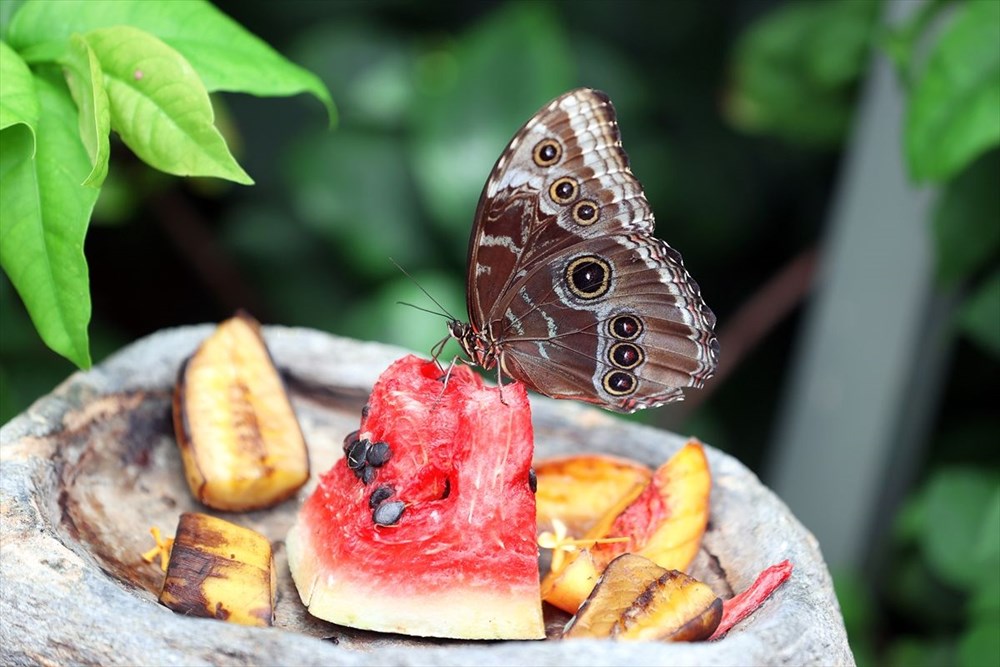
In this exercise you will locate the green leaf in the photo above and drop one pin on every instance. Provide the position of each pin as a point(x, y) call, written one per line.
point(899, 41)
point(44, 221)
point(985, 600)
point(910, 519)
point(160, 107)
point(966, 232)
point(7, 10)
point(979, 316)
point(980, 644)
point(954, 109)
point(988, 548)
point(18, 102)
point(475, 97)
point(86, 83)
point(957, 502)
point(225, 55)
point(795, 70)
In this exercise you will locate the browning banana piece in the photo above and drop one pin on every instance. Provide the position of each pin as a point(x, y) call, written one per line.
point(220, 570)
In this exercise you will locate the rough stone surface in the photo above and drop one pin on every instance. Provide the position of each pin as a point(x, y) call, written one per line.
point(88, 469)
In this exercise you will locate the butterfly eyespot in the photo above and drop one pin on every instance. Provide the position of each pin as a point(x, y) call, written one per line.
point(588, 277)
point(625, 327)
point(547, 152)
point(585, 212)
point(619, 383)
point(563, 191)
point(626, 355)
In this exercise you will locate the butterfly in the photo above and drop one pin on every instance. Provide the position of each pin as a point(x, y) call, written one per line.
point(568, 291)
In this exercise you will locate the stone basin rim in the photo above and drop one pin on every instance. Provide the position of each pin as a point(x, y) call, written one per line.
point(151, 364)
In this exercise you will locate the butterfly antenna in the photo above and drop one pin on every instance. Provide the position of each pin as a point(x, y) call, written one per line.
point(422, 309)
point(444, 311)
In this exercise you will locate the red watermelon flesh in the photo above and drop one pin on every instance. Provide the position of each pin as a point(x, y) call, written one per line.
point(461, 559)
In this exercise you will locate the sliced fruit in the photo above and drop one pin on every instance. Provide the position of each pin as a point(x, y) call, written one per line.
point(568, 587)
point(220, 570)
point(239, 438)
point(623, 581)
point(743, 604)
point(637, 599)
point(435, 534)
point(664, 523)
point(579, 490)
point(683, 486)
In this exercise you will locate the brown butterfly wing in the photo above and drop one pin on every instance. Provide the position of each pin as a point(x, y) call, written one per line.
point(519, 223)
point(560, 210)
point(562, 330)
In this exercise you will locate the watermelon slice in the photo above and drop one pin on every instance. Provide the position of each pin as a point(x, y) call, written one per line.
point(427, 525)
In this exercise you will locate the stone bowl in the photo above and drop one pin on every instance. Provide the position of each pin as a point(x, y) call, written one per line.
point(88, 469)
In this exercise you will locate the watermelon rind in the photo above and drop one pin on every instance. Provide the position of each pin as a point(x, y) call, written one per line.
point(458, 613)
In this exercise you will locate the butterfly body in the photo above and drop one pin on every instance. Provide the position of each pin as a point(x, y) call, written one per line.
point(568, 290)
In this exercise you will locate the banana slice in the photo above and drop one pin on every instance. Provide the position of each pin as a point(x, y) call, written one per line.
point(220, 570)
point(239, 438)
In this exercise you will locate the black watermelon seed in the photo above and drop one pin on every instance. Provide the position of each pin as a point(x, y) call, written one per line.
point(350, 439)
point(365, 410)
point(447, 489)
point(378, 454)
point(356, 454)
point(380, 495)
point(368, 475)
point(388, 513)
point(532, 480)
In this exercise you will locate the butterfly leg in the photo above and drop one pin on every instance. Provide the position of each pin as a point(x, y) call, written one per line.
point(447, 373)
point(439, 348)
point(500, 379)
point(445, 377)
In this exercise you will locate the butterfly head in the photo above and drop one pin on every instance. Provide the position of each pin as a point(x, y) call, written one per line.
point(478, 346)
point(460, 331)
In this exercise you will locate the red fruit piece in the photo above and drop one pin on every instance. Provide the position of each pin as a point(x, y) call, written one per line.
point(742, 605)
point(439, 539)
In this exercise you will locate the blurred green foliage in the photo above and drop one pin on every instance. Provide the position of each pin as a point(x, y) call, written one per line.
point(953, 112)
point(966, 235)
point(795, 72)
point(945, 581)
point(940, 603)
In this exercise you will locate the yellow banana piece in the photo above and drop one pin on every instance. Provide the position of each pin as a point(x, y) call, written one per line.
point(220, 570)
point(239, 438)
